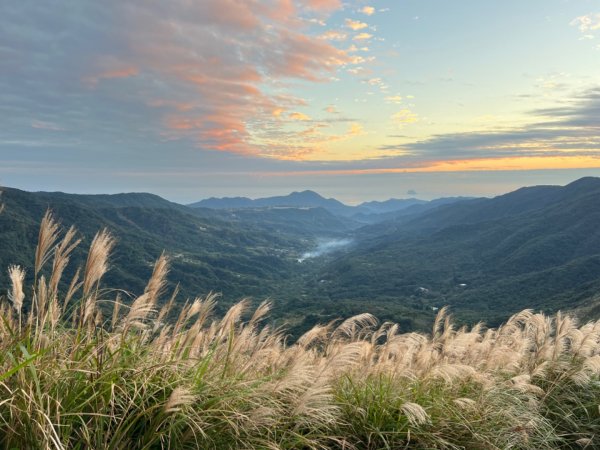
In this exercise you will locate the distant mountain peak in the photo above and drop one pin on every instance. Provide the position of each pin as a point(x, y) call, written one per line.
point(585, 182)
point(300, 199)
point(306, 194)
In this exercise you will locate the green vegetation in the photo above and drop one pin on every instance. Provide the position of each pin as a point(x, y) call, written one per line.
point(486, 258)
point(74, 377)
point(207, 253)
point(533, 248)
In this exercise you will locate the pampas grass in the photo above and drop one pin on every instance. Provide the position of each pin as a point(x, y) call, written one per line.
point(71, 379)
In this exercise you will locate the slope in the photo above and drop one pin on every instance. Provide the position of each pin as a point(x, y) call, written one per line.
point(208, 253)
point(487, 258)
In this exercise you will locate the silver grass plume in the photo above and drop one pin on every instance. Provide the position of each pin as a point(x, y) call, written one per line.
point(97, 262)
point(16, 295)
point(158, 280)
point(47, 237)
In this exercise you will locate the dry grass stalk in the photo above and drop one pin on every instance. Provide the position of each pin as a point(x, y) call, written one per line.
point(415, 413)
point(61, 257)
point(158, 280)
point(230, 383)
point(179, 398)
point(16, 294)
point(47, 238)
point(97, 261)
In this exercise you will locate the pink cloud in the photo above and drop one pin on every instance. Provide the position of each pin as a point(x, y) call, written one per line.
point(217, 69)
point(305, 57)
point(108, 68)
point(324, 5)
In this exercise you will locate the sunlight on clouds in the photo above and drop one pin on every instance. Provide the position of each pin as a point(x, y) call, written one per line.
point(590, 22)
point(303, 80)
point(355, 24)
point(362, 37)
point(356, 129)
point(394, 99)
point(518, 163)
point(299, 116)
point(405, 116)
point(472, 165)
point(333, 35)
point(367, 10)
point(212, 66)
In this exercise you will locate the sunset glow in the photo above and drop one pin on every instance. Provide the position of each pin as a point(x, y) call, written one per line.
point(307, 87)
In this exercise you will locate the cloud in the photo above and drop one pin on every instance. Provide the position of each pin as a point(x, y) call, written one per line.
point(376, 82)
point(324, 5)
point(124, 72)
point(405, 116)
point(589, 26)
point(299, 116)
point(362, 37)
point(367, 10)
point(356, 129)
point(209, 73)
point(394, 99)
point(355, 24)
point(334, 35)
point(587, 23)
point(353, 48)
point(570, 130)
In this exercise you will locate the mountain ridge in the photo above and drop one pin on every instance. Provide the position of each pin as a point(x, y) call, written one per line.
point(535, 247)
point(369, 211)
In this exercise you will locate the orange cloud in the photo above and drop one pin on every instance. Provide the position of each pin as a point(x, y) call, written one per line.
point(367, 10)
point(468, 165)
point(515, 163)
point(356, 129)
point(355, 24)
point(298, 116)
point(362, 37)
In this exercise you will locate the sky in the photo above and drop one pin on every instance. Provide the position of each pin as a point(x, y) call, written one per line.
point(357, 99)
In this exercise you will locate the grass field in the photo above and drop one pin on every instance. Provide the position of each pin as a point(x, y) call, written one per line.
point(89, 368)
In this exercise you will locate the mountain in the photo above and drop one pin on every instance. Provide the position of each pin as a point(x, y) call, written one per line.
point(537, 247)
point(304, 199)
point(406, 212)
point(367, 212)
point(391, 205)
point(208, 252)
point(304, 222)
point(224, 203)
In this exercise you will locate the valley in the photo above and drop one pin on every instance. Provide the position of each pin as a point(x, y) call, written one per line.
point(319, 260)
